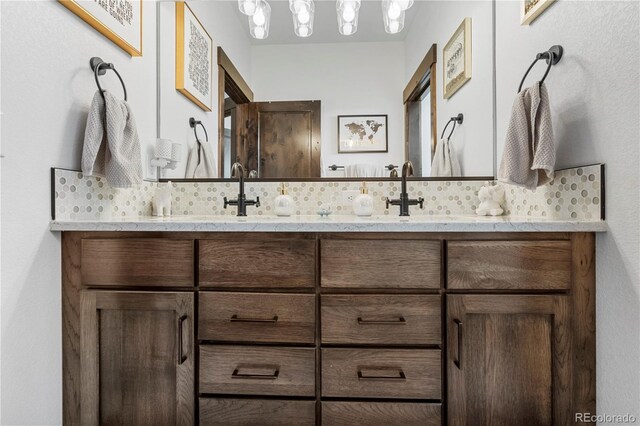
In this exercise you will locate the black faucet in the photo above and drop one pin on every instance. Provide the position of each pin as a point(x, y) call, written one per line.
point(241, 201)
point(404, 202)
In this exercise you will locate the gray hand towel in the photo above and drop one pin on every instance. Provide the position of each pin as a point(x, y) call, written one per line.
point(445, 160)
point(529, 155)
point(111, 143)
point(200, 163)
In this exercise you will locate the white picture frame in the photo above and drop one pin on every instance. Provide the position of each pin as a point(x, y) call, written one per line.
point(531, 9)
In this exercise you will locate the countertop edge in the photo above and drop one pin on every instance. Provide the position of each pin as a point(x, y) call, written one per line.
point(431, 226)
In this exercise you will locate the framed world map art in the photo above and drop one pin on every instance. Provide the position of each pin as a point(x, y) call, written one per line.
point(118, 20)
point(362, 133)
point(194, 58)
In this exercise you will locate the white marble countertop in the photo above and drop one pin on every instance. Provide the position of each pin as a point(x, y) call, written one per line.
point(333, 223)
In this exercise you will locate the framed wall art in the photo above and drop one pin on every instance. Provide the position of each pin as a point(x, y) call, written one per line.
point(531, 9)
point(118, 20)
point(363, 133)
point(194, 58)
point(457, 59)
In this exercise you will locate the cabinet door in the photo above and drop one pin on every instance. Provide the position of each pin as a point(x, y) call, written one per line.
point(508, 360)
point(137, 358)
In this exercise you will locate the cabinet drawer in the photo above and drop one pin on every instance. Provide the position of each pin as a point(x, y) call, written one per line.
point(380, 264)
point(381, 319)
point(257, 317)
point(381, 373)
point(277, 263)
point(257, 370)
point(256, 412)
point(153, 262)
point(380, 413)
point(509, 265)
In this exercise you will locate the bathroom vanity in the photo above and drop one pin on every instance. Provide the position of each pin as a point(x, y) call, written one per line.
point(327, 325)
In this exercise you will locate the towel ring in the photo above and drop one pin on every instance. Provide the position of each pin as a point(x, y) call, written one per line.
point(552, 56)
point(193, 123)
point(458, 119)
point(100, 67)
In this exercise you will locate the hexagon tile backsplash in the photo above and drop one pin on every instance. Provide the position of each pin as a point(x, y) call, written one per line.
point(574, 194)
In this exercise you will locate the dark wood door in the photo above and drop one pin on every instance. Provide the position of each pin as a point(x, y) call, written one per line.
point(508, 360)
point(137, 358)
point(282, 139)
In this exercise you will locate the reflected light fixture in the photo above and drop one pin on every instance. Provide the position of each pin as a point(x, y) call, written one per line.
point(393, 14)
point(303, 12)
point(248, 7)
point(260, 20)
point(347, 11)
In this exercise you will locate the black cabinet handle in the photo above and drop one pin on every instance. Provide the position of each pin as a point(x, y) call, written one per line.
point(399, 321)
point(271, 376)
point(181, 356)
point(236, 318)
point(458, 360)
point(400, 377)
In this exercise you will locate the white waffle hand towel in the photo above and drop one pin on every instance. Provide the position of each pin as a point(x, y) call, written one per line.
point(445, 160)
point(200, 163)
point(111, 143)
point(529, 155)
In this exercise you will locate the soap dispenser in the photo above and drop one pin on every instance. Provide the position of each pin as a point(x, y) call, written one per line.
point(363, 203)
point(284, 203)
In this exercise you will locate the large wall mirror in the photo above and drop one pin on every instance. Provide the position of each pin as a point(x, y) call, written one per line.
point(328, 105)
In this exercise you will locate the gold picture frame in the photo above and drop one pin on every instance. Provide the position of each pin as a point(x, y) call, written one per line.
point(531, 9)
point(456, 59)
point(93, 14)
point(197, 90)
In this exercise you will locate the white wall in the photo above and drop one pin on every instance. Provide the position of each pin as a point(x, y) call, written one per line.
point(47, 88)
point(349, 78)
point(595, 99)
point(224, 26)
point(435, 23)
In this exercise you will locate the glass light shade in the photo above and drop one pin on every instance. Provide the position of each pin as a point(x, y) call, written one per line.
point(248, 7)
point(303, 19)
point(404, 4)
point(347, 12)
point(296, 6)
point(392, 16)
point(259, 22)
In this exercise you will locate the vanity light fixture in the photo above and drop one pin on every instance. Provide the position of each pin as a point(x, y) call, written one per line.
point(347, 11)
point(393, 15)
point(303, 12)
point(260, 20)
point(248, 7)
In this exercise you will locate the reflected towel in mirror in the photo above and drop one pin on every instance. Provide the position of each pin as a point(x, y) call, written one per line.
point(200, 164)
point(363, 170)
point(445, 160)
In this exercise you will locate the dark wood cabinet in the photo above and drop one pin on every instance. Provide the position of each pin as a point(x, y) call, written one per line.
point(137, 358)
point(328, 328)
point(509, 359)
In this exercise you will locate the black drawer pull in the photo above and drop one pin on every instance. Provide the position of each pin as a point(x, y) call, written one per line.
point(400, 377)
point(236, 318)
point(399, 321)
point(270, 376)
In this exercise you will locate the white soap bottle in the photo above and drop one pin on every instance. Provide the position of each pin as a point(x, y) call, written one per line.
point(284, 203)
point(363, 203)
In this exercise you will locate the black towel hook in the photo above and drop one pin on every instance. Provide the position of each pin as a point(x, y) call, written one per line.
point(458, 119)
point(552, 56)
point(100, 67)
